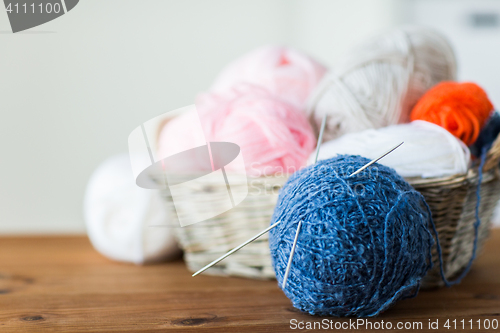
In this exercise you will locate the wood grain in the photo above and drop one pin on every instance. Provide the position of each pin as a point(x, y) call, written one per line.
point(50, 284)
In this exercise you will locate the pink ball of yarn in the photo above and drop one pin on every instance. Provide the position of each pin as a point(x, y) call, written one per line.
point(274, 136)
point(180, 134)
point(283, 71)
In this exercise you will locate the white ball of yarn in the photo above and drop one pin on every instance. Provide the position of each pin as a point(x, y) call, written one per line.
point(428, 150)
point(377, 83)
point(118, 216)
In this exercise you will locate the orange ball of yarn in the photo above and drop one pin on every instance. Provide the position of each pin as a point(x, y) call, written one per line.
point(461, 108)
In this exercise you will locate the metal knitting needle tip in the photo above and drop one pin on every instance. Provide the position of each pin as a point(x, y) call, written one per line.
point(320, 138)
point(236, 249)
point(375, 160)
point(287, 271)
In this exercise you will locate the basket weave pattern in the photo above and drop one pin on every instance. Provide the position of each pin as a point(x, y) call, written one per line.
point(206, 241)
point(453, 205)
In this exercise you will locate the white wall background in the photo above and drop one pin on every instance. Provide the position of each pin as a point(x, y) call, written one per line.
point(72, 90)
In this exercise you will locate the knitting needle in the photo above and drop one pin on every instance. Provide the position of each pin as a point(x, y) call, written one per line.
point(285, 278)
point(375, 160)
point(292, 252)
point(235, 249)
point(320, 138)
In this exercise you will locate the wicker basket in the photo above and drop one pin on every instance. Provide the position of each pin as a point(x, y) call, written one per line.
point(206, 241)
point(452, 201)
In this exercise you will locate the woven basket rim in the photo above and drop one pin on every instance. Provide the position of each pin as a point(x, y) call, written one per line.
point(492, 162)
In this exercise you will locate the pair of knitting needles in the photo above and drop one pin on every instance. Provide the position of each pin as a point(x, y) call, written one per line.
point(292, 252)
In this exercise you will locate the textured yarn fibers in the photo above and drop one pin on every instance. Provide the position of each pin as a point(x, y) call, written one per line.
point(274, 136)
point(363, 244)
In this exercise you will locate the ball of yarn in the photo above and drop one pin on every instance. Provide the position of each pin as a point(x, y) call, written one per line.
point(363, 244)
point(180, 134)
point(488, 134)
point(377, 83)
point(283, 71)
point(461, 108)
point(428, 150)
point(274, 136)
point(119, 215)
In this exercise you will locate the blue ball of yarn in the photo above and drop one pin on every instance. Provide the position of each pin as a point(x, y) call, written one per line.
point(487, 135)
point(364, 241)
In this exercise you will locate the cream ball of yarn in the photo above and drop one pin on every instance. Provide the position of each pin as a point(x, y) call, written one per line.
point(377, 83)
point(119, 216)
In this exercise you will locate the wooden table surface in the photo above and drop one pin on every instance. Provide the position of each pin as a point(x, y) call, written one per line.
point(62, 284)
